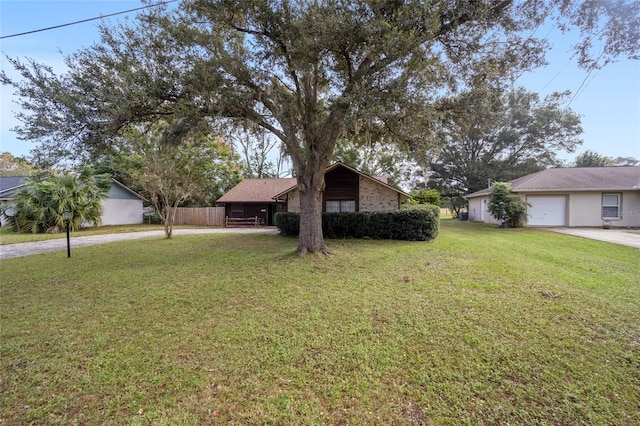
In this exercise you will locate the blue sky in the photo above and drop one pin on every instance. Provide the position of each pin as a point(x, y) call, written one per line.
point(609, 101)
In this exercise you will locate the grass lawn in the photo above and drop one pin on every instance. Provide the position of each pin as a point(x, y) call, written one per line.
point(234, 329)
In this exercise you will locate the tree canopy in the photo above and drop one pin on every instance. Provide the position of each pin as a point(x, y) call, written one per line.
point(500, 136)
point(305, 71)
point(593, 159)
point(15, 166)
point(172, 167)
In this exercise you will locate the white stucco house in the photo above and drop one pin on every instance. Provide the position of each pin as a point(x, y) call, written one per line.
point(572, 197)
point(121, 207)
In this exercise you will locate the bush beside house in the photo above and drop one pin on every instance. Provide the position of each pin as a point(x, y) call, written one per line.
point(506, 206)
point(412, 224)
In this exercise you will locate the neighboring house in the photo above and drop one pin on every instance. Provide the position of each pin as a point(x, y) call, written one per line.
point(121, 207)
point(578, 196)
point(346, 190)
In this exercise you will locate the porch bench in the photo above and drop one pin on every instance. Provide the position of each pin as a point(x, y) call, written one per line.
point(242, 221)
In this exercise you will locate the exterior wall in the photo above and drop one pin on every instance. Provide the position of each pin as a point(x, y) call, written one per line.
point(121, 212)
point(585, 209)
point(260, 210)
point(478, 211)
point(341, 184)
point(374, 197)
point(630, 209)
point(121, 207)
point(293, 201)
point(475, 206)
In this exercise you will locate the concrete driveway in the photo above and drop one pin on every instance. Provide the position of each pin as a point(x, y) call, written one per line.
point(615, 236)
point(24, 249)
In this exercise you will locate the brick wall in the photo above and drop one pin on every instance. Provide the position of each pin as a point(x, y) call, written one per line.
point(293, 203)
point(375, 197)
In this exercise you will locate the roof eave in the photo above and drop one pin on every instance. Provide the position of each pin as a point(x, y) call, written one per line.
point(286, 191)
point(596, 189)
point(126, 188)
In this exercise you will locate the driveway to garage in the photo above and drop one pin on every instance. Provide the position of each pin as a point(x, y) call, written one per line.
point(24, 249)
point(616, 236)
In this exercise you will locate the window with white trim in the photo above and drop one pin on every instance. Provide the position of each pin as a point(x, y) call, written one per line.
point(340, 206)
point(611, 206)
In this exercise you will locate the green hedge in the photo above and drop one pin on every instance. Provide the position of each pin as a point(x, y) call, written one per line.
point(419, 223)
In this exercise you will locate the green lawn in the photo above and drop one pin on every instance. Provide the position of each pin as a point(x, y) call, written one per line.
point(235, 329)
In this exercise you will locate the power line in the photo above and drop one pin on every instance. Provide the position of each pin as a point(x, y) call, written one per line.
point(578, 92)
point(556, 74)
point(591, 69)
point(89, 19)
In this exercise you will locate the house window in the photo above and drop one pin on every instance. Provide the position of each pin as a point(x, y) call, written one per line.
point(611, 206)
point(340, 206)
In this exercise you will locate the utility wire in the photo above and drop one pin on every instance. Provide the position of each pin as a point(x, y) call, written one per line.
point(583, 86)
point(592, 68)
point(555, 75)
point(89, 19)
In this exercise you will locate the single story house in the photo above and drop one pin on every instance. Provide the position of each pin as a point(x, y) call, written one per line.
point(346, 190)
point(572, 197)
point(121, 207)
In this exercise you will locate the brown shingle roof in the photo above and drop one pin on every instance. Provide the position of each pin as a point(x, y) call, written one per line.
point(257, 190)
point(576, 179)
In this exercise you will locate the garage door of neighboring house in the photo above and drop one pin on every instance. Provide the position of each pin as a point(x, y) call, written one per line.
point(547, 211)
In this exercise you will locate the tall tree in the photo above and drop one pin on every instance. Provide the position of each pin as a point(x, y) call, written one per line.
point(262, 153)
point(501, 136)
point(171, 165)
point(15, 166)
point(593, 159)
point(303, 70)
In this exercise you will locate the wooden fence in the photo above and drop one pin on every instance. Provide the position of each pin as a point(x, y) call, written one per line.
point(202, 216)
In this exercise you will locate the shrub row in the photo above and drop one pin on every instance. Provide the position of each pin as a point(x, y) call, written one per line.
point(412, 224)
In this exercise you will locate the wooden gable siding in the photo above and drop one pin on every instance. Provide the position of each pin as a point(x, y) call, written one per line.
point(341, 184)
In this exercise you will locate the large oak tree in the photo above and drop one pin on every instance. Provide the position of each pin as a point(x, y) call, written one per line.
point(496, 136)
point(303, 70)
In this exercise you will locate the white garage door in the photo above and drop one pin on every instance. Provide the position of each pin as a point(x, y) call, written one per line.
point(547, 211)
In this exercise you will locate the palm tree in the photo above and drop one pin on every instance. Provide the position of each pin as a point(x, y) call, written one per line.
point(41, 204)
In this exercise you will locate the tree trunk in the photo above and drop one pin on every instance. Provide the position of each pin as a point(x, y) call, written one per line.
point(310, 237)
point(169, 218)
